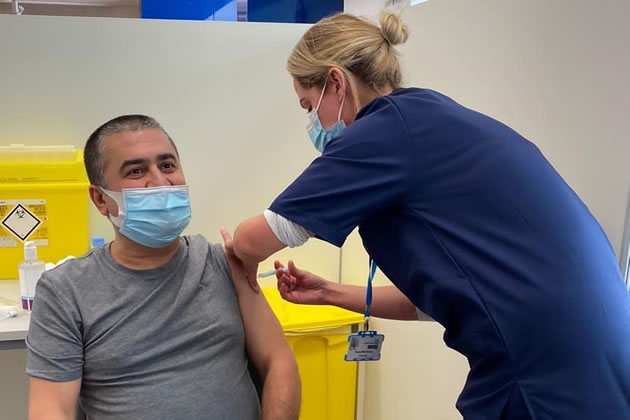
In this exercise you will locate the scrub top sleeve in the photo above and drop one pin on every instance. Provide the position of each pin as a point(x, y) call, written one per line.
point(365, 170)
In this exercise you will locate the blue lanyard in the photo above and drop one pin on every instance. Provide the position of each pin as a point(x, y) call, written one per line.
point(368, 295)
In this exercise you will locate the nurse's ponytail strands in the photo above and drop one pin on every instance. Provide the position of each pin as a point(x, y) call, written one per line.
point(363, 51)
point(393, 28)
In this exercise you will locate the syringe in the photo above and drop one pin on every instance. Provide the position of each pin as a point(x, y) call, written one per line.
point(272, 272)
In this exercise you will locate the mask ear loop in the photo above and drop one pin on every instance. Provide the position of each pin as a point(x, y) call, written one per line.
point(119, 199)
point(322, 95)
point(341, 108)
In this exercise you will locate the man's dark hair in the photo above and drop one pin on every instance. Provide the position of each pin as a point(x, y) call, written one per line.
point(95, 153)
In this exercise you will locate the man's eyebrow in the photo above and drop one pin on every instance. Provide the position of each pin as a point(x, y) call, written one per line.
point(165, 156)
point(131, 162)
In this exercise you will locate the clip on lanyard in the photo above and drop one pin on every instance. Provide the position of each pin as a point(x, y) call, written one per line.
point(368, 296)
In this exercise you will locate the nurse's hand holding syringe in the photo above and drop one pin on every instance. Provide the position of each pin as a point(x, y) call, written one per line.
point(300, 286)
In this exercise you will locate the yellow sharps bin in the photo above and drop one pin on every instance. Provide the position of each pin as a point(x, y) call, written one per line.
point(43, 198)
point(318, 336)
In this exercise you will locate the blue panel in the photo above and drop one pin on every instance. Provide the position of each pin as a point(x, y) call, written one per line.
point(183, 9)
point(298, 11)
point(225, 10)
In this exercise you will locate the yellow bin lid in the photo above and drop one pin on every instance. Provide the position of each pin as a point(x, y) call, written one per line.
point(294, 317)
point(41, 164)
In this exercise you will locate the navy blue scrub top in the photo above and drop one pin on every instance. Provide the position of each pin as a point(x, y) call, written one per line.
point(471, 222)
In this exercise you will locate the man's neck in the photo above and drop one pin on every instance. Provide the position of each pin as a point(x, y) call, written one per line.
point(139, 257)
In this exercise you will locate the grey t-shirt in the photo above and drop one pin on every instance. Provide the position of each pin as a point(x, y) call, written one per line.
point(152, 344)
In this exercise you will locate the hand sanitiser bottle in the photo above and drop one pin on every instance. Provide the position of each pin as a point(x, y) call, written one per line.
point(30, 270)
point(97, 241)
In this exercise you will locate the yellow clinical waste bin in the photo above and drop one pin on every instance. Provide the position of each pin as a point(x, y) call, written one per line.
point(43, 198)
point(318, 336)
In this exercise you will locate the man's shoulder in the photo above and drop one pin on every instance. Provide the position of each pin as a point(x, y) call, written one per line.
point(73, 269)
point(198, 242)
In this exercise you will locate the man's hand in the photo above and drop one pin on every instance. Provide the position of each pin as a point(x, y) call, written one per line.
point(250, 269)
point(301, 286)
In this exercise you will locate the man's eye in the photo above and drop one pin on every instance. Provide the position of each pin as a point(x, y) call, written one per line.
point(135, 171)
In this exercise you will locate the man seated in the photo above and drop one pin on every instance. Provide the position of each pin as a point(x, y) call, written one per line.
point(153, 325)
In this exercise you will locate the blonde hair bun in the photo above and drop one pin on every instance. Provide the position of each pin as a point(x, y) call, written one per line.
point(358, 47)
point(393, 28)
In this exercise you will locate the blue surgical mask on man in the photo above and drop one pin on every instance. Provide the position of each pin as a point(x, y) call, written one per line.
point(319, 135)
point(153, 217)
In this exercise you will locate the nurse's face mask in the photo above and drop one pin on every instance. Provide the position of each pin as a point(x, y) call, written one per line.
point(319, 135)
point(153, 217)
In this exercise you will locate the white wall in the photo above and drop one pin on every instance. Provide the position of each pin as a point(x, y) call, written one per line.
point(558, 72)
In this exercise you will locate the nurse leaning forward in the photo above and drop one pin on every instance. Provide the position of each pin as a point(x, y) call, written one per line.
point(469, 221)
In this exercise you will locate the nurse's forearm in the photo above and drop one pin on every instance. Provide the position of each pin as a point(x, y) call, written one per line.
point(254, 241)
point(387, 302)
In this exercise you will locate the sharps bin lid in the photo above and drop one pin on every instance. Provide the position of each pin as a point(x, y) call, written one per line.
point(294, 317)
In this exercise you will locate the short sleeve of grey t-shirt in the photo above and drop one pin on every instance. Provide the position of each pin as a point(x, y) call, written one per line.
point(160, 343)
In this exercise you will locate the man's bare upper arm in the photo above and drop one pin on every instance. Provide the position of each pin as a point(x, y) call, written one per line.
point(268, 350)
point(264, 337)
point(53, 400)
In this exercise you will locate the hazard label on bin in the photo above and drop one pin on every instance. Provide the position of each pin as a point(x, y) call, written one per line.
point(23, 219)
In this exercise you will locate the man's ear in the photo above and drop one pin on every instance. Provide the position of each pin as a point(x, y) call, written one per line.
point(98, 198)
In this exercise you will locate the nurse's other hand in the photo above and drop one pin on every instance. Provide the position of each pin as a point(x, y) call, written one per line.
point(300, 286)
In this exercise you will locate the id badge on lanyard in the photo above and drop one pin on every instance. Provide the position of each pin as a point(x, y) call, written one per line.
point(366, 344)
